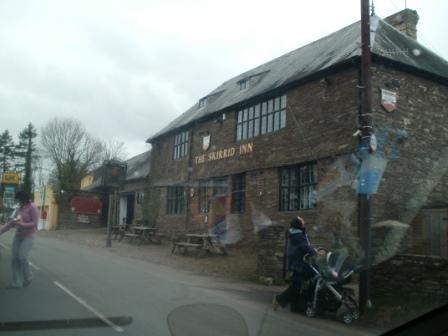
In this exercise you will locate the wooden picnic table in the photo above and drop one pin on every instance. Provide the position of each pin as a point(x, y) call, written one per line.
point(144, 233)
point(117, 231)
point(201, 242)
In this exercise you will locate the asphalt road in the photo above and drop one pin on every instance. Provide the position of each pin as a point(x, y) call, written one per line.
point(89, 291)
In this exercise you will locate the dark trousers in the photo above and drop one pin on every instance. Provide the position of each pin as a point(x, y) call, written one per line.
point(291, 294)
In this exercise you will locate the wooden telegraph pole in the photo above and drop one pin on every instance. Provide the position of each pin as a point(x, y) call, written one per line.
point(364, 198)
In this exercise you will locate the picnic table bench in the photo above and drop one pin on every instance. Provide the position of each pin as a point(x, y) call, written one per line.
point(200, 243)
point(118, 231)
point(131, 236)
point(185, 246)
point(144, 234)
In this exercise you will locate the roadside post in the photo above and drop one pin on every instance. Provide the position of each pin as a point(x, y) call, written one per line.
point(114, 173)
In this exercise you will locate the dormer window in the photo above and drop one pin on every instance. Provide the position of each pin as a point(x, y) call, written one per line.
point(244, 84)
point(202, 102)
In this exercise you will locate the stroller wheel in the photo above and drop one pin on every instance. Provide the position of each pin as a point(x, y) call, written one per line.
point(347, 318)
point(310, 311)
point(355, 314)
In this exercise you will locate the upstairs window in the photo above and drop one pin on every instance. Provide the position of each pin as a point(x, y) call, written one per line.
point(244, 84)
point(202, 102)
point(297, 184)
point(262, 118)
point(181, 141)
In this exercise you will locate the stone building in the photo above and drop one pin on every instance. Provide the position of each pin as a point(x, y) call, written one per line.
point(121, 186)
point(132, 192)
point(281, 140)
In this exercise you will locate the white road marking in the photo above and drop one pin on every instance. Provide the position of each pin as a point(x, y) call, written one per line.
point(88, 307)
point(34, 266)
point(4, 246)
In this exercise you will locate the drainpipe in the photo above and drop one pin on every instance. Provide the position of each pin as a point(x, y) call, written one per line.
point(189, 173)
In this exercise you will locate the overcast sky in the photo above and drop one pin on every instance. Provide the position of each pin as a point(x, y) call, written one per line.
point(126, 68)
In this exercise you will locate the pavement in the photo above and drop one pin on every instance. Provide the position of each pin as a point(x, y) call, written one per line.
point(90, 290)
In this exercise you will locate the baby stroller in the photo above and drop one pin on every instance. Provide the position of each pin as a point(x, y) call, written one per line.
point(325, 292)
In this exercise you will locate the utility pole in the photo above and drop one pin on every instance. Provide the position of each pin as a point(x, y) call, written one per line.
point(364, 198)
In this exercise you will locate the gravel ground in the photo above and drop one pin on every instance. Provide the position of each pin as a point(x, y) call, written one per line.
point(239, 264)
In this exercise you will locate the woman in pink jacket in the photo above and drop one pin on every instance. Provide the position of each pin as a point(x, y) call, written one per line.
point(25, 223)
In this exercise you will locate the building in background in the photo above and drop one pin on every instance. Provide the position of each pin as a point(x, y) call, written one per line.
point(122, 187)
point(48, 208)
point(132, 192)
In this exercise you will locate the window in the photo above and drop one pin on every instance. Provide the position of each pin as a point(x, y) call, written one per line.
point(266, 117)
point(175, 200)
point(238, 193)
point(204, 199)
point(202, 102)
point(140, 197)
point(297, 184)
point(220, 187)
point(181, 141)
point(244, 84)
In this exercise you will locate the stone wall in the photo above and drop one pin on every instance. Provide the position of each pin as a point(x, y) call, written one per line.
point(406, 274)
point(321, 117)
point(416, 171)
point(271, 252)
point(136, 186)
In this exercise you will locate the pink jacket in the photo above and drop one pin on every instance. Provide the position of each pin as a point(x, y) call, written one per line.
point(27, 226)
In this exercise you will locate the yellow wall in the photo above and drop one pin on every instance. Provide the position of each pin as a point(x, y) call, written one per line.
point(49, 205)
point(86, 181)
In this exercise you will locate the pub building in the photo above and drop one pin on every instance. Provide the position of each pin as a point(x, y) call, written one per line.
point(283, 140)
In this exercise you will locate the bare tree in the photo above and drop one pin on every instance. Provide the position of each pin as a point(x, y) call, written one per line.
point(72, 151)
point(113, 149)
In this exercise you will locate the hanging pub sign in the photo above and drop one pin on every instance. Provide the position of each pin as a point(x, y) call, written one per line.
point(389, 100)
point(113, 173)
point(205, 142)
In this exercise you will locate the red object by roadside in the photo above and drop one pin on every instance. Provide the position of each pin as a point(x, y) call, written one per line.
point(86, 205)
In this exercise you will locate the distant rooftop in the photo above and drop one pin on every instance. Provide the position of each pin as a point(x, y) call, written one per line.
point(138, 166)
point(388, 44)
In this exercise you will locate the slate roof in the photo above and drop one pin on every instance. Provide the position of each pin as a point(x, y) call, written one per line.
point(387, 44)
point(138, 167)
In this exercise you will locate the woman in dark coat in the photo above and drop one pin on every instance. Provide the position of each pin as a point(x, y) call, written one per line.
point(298, 247)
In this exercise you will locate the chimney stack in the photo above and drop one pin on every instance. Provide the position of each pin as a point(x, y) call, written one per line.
point(405, 21)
